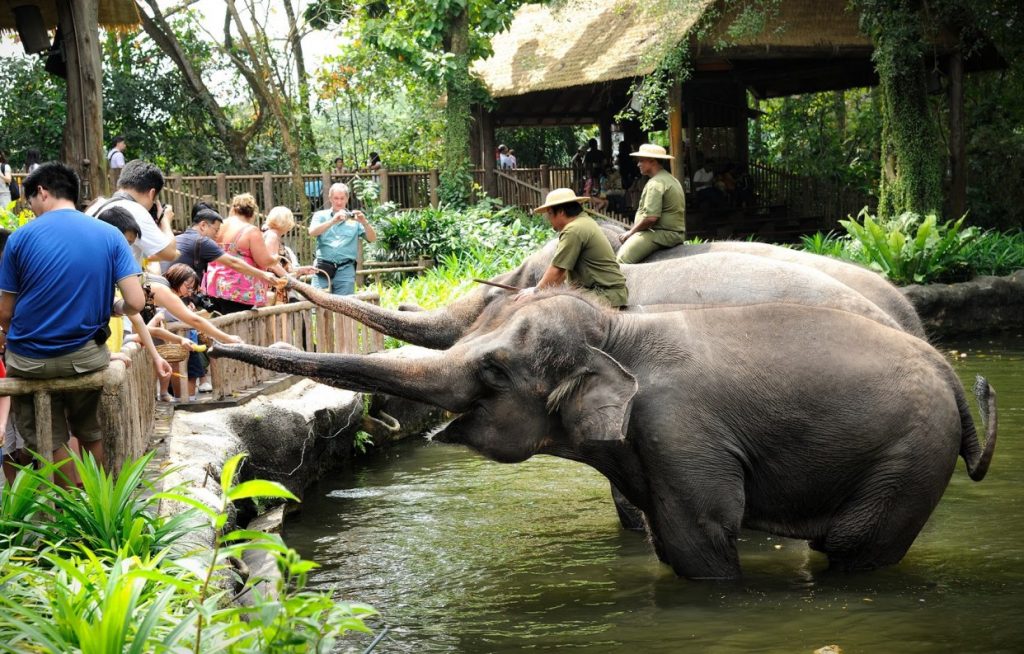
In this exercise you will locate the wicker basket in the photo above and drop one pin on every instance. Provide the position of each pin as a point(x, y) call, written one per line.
point(173, 352)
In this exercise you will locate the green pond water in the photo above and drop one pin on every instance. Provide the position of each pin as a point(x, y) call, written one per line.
point(463, 555)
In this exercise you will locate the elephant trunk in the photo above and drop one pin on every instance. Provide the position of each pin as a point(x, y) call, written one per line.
point(432, 379)
point(438, 329)
point(976, 457)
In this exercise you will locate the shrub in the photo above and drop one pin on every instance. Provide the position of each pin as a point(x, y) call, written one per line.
point(113, 576)
point(911, 249)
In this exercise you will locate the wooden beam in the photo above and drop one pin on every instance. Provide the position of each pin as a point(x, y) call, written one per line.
point(957, 138)
point(675, 131)
point(82, 147)
point(487, 151)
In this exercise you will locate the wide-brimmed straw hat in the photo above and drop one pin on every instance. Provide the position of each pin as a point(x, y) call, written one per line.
point(651, 151)
point(560, 196)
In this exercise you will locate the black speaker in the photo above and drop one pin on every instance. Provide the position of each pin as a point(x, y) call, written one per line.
point(29, 21)
point(56, 62)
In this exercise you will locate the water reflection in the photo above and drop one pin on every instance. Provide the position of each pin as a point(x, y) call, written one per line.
point(464, 555)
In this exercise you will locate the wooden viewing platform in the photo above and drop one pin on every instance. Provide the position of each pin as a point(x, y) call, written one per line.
point(128, 408)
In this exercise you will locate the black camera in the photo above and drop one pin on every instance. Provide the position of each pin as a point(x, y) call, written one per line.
point(203, 302)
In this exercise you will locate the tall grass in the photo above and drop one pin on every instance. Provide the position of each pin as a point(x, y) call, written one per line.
point(96, 570)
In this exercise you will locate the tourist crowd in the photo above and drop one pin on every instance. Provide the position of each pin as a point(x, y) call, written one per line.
point(76, 286)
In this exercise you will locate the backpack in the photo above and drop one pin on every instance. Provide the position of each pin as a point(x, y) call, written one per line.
point(13, 186)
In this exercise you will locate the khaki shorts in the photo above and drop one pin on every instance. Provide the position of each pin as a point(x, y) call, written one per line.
point(81, 408)
point(641, 245)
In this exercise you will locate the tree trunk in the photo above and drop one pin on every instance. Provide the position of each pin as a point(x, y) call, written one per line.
point(235, 141)
point(912, 162)
point(455, 175)
point(302, 77)
point(83, 148)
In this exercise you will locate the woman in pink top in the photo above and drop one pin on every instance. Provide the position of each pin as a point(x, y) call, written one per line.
point(231, 291)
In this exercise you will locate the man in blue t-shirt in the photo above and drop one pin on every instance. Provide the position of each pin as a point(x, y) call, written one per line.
point(57, 275)
point(337, 233)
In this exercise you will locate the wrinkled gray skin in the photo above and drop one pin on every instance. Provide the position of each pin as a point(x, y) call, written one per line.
point(805, 422)
point(677, 278)
point(670, 281)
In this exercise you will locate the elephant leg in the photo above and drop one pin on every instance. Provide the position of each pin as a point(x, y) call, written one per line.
point(698, 539)
point(879, 522)
point(630, 517)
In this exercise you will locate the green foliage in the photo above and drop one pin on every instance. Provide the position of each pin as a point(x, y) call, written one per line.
point(11, 219)
point(995, 253)
point(443, 232)
point(32, 104)
point(910, 249)
point(99, 570)
point(827, 136)
point(829, 245)
point(534, 146)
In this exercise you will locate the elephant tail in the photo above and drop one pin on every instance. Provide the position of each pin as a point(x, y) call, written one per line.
point(976, 457)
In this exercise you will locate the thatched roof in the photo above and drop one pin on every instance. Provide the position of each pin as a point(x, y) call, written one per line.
point(591, 41)
point(112, 13)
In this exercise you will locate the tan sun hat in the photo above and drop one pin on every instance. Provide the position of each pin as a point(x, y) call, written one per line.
point(651, 151)
point(559, 196)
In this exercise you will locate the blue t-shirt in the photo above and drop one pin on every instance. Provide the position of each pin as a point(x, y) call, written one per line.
point(339, 242)
point(63, 266)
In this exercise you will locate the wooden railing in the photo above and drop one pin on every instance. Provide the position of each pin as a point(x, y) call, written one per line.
point(515, 192)
point(301, 324)
point(127, 405)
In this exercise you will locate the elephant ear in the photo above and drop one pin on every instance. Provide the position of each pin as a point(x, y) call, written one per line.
point(595, 403)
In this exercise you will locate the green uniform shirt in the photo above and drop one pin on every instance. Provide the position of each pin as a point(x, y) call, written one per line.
point(585, 254)
point(663, 197)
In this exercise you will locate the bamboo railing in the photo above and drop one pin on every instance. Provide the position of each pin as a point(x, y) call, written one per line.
point(127, 405)
point(300, 324)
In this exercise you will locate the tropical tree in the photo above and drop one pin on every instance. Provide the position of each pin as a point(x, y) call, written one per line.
point(437, 40)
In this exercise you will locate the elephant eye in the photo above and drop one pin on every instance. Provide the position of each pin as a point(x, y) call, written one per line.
point(494, 375)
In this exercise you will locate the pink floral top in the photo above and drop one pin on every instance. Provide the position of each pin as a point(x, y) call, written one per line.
point(229, 284)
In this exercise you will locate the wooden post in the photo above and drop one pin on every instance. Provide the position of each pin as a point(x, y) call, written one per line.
point(957, 138)
point(82, 147)
point(181, 212)
point(44, 425)
point(742, 154)
point(691, 132)
point(325, 187)
point(675, 131)
point(545, 179)
point(268, 192)
point(433, 183)
point(487, 152)
point(222, 188)
point(383, 180)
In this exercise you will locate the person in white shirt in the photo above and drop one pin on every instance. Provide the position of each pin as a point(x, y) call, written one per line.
point(137, 187)
point(115, 158)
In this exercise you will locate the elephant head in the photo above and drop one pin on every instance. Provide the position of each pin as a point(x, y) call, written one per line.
point(509, 404)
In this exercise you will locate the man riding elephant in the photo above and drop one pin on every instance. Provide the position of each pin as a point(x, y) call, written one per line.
point(583, 256)
point(660, 220)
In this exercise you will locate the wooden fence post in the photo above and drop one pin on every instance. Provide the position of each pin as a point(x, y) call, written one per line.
point(44, 422)
point(433, 183)
point(181, 212)
point(325, 187)
point(268, 193)
point(222, 188)
point(383, 185)
point(545, 180)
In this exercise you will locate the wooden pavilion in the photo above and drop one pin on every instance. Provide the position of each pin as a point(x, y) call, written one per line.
point(576, 66)
point(74, 54)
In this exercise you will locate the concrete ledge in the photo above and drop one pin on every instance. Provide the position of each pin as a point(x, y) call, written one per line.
point(981, 306)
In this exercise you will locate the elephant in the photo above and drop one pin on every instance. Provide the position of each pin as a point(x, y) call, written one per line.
point(807, 422)
point(705, 277)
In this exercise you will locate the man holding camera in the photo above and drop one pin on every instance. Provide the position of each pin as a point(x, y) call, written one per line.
point(337, 232)
point(137, 187)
